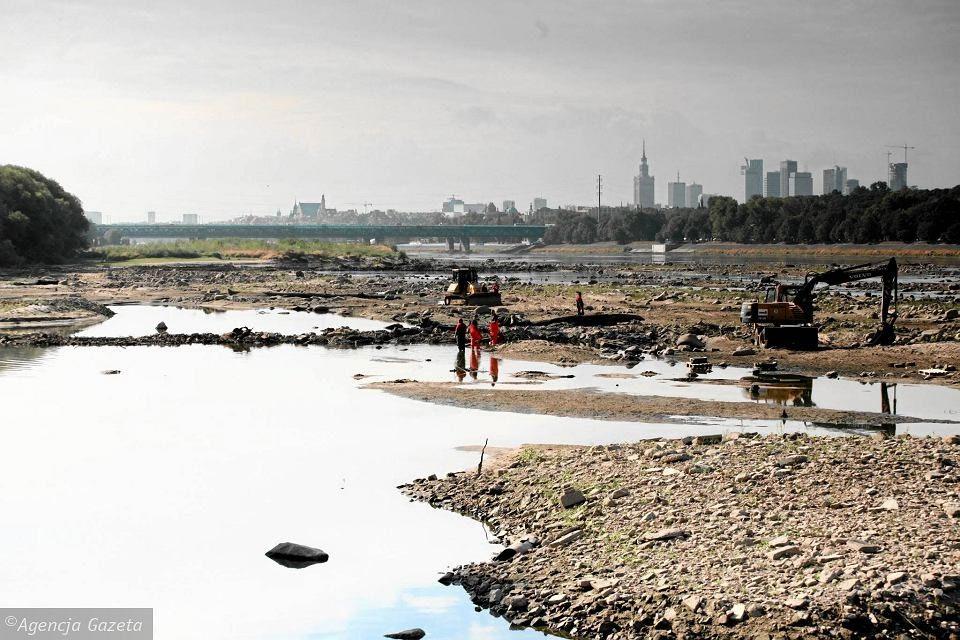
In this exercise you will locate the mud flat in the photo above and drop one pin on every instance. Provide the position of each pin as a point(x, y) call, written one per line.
point(588, 403)
point(761, 537)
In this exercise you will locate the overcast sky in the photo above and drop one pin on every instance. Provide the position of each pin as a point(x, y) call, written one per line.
point(231, 107)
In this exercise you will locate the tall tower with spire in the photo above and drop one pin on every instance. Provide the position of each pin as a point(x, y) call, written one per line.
point(643, 184)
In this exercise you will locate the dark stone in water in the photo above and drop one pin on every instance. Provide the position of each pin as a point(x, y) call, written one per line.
point(409, 634)
point(296, 556)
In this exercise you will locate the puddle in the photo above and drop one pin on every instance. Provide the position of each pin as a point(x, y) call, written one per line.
point(141, 320)
point(165, 484)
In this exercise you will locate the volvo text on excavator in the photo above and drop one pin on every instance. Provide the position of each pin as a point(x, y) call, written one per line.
point(785, 317)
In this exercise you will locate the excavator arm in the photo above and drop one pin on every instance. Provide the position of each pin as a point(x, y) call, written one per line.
point(887, 271)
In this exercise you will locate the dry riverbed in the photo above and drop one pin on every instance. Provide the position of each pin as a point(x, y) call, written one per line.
point(666, 302)
point(777, 536)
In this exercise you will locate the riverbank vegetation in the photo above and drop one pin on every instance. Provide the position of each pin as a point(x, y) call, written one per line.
point(238, 250)
point(39, 221)
point(868, 215)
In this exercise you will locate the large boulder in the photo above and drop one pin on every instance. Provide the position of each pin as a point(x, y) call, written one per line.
point(690, 340)
point(409, 634)
point(296, 556)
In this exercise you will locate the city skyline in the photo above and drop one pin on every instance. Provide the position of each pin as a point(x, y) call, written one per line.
point(137, 110)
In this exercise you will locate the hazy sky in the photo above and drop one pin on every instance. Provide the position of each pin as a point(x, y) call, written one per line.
point(230, 107)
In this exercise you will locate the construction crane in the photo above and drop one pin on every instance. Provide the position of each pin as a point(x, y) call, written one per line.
point(785, 317)
point(899, 146)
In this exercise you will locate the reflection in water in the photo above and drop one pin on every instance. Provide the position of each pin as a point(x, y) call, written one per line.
point(474, 362)
point(494, 370)
point(885, 406)
point(796, 391)
point(460, 366)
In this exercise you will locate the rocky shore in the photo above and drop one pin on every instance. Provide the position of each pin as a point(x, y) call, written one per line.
point(740, 536)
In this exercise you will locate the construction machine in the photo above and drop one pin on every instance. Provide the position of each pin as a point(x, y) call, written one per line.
point(466, 289)
point(785, 317)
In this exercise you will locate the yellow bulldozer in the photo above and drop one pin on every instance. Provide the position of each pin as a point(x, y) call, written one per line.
point(465, 289)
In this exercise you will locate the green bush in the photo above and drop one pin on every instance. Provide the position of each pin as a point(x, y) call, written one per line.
point(39, 221)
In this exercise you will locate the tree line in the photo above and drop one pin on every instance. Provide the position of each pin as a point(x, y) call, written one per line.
point(867, 215)
point(39, 221)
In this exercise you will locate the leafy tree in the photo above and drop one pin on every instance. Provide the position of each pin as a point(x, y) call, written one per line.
point(39, 221)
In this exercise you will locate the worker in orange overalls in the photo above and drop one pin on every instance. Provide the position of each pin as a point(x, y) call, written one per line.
point(494, 328)
point(475, 336)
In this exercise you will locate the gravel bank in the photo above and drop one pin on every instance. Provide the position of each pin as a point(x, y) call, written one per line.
point(778, 536)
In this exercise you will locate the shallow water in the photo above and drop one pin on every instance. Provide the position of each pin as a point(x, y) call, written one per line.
point(163, 485)
point(141, 320)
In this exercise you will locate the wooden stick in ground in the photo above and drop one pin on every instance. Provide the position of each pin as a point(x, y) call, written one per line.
point(480, 466)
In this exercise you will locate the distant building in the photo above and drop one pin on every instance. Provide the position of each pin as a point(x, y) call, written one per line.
point(705, 198)
point(787, 170)
point(453, 205)
point(539, 203)
point(151, 217)
point(643, 184)
point(801, 184)
point(474, 207)
point(850, 186)
point(191, 218)
point(897, 176)
point(834, 179)
point(311, 210)
point(694, 191)
point(509, 205)
point(95, 217)
point(676, 193)
point(752, 179)
point(772, 184)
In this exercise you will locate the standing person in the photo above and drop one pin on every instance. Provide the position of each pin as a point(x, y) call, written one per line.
point(460, 332)
point(579, 304)
point(475, 335)
point(494, 329)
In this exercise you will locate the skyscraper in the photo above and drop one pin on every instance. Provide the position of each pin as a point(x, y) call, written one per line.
point(773, 184)
point(787, 169)
point(752, 179)
point(677, 193)
point(693, 193)
point(801, 184)
point(539, 203)
point(897, 176)
point(643, 183)
point(151, 217)
point(834, 179)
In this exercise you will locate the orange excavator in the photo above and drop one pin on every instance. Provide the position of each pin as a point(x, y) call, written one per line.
point(785, 317)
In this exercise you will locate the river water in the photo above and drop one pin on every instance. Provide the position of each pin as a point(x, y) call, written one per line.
point(163, 485)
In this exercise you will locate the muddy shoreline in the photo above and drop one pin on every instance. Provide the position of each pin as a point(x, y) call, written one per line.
point(624, 407)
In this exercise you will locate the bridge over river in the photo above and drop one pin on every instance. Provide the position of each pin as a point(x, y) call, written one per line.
point(377, 232)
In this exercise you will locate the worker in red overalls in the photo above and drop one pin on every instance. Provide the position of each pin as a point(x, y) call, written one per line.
point(475, 335)
point(494, 329)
